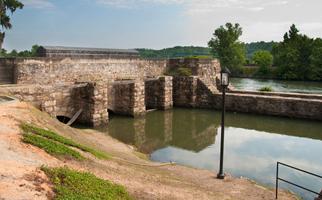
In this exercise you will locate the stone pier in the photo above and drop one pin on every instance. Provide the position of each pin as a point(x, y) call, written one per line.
point(158, 93)
point(128, 98)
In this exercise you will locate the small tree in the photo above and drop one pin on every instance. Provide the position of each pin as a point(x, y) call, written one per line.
point(5, 7)
point(226, 45)
point(264, 60)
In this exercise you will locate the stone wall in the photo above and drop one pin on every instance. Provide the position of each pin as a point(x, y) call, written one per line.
point(65, 100)
point(192, 92)
point(128, 98)
point(7, 71)
point(185, 91)
point(208, 70)
point(70, 70)
point(158, 93)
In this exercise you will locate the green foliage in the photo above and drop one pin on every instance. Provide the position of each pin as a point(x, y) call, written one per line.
point(5, 7)
point(73, 185)
point(227, 46)
point(297, 57)
point(266, 89)
point(24, 54)
point(180, 71)
point(51, 147)
point(264, 60)
point(175, 52)
point(27, 128)
point(253, 47)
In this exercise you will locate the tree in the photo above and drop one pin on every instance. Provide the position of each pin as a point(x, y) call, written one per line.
point(226, 45)
point(264, 60)
point(316, 61)
point(5, 7)
point(292, 56)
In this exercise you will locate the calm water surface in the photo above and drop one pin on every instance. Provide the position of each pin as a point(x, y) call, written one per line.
point(277, 85)
point(253, 143)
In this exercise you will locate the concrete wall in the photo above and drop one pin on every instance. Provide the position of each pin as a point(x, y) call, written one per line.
point(70, 70)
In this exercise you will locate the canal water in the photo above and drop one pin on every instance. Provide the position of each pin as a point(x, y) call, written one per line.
point(253, 143)
point(277, 85)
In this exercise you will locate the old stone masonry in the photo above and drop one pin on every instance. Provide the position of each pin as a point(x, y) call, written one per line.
point(63, 81)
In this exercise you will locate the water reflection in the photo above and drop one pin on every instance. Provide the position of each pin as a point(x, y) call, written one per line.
point(254, 143)
point(186, 129)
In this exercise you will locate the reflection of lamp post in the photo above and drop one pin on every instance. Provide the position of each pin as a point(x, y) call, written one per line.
point(224, 82)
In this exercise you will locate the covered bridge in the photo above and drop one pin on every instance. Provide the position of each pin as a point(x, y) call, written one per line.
point(78, 52)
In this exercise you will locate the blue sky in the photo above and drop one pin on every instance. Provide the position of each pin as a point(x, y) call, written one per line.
point(155, 23)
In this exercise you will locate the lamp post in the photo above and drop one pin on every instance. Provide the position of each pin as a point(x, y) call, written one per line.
point(224, 82)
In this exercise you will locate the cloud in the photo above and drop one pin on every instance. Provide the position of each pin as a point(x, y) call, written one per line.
point(39, 4)
point(198, 6)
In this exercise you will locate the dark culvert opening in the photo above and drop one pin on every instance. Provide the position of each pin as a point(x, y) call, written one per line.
point(63, 119)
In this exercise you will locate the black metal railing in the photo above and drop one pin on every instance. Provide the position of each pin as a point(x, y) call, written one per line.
point(291, 183)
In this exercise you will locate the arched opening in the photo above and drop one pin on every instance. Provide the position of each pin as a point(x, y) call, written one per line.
point(111, 113)
point(63, 119)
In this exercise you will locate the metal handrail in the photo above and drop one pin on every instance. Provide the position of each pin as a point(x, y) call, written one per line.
point(291, 183)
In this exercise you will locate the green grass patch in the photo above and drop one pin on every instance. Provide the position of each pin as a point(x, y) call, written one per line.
point(58, 138)
point(180, 71)
point(73, 185)
point(51, 147)
point(266, 89)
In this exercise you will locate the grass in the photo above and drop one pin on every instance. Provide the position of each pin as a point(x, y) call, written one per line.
point(27, 128)
point(181, 71)
point(51, 147)
point(73, 185)
point(266, 89)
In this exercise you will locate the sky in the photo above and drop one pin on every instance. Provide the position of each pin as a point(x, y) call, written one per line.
point(155, 24)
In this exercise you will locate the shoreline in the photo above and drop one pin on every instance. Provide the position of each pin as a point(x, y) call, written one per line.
point(142, 182)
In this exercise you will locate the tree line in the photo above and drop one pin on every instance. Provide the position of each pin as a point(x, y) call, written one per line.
point(296, 57)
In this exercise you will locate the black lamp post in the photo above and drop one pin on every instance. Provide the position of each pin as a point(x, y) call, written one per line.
point(224, 82)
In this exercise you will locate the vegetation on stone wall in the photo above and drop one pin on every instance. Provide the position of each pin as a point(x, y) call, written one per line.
point(180, 71)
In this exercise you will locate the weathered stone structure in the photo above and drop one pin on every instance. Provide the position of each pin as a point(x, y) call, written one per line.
point(98, 80)
point(128, 98)
point(158, 93)
point(66, 100)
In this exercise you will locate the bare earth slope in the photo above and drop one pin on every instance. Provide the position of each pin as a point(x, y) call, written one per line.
point(20, 177)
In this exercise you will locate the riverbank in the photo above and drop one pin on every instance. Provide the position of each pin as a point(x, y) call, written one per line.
point(22, 178)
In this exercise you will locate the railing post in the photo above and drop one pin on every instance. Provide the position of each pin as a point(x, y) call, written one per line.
point(277, 166)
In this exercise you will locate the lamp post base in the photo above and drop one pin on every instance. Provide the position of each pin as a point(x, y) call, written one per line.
point(220, 176)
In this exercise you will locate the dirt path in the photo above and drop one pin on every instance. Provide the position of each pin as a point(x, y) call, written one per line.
point(20, 177)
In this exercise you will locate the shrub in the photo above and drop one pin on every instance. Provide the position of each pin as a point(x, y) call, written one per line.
point(266, 89)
